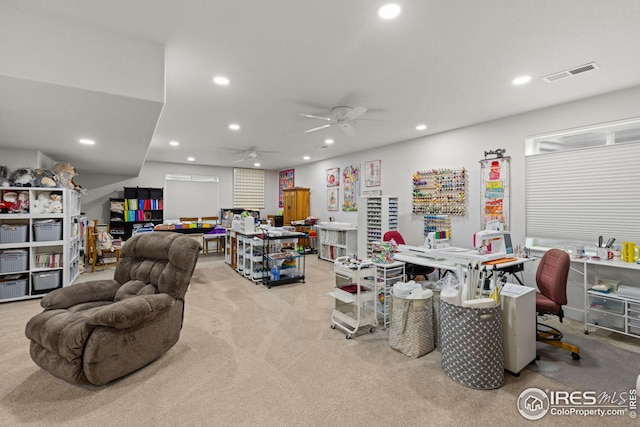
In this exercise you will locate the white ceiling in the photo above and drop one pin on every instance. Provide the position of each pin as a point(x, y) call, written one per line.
point(448, 64)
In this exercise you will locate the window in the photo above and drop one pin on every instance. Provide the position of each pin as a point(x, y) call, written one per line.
point(248, 188)
point(583, 183)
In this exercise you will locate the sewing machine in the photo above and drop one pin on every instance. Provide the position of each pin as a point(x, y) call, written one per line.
point(493, 242)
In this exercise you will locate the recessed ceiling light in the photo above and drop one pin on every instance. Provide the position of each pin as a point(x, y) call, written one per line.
point(86, 141)
point(191, 159)
point(328, 141)
point(421, 127)
point(521, 80)
point(221, 80)
point(389, 11)
point(306, 157)
point(234, 126)
point(174, 143)
point(256, 164)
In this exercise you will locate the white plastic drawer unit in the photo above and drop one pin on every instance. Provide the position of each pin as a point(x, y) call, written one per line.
point(606, 304)
point(634, 311)
point(606, 320)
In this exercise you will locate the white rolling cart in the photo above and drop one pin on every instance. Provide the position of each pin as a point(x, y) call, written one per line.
point(355, 296)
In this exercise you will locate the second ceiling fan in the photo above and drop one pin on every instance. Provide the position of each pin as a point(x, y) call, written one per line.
point(343, 117)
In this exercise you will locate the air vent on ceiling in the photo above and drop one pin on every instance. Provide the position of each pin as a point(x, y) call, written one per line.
point(570, 73)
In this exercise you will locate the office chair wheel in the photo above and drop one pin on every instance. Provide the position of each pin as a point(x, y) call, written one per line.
point(575, 356)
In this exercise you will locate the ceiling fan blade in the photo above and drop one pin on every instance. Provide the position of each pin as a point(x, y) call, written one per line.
point(315, 129)
point(238, 161)
point(354, 113)
point(348, 129)
point(314, 117)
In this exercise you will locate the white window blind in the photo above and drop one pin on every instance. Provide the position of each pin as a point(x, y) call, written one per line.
point(248, 188)
point(578, 195)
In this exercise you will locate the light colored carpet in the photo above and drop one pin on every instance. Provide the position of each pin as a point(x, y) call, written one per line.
point(252, 356)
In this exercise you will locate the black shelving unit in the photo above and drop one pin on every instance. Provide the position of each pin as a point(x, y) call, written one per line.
point(139, 206)
point(282, 263)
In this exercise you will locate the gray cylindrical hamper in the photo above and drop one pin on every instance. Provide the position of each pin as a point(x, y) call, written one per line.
point(411, 326)
point(471, 345)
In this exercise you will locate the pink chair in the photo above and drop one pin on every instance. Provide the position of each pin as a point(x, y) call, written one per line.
point(551, 279)
point(412, 270)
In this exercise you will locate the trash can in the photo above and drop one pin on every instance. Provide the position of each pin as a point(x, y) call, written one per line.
point(411, 325)
point(471, 345)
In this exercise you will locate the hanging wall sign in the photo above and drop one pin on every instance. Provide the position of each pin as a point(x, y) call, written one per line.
point(351, 179)
point(494, 200)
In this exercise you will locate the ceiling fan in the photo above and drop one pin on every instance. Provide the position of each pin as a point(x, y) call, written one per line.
point(249, 154)
point(343, 117)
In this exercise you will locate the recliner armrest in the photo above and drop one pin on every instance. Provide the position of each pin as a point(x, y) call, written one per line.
point(132, 311)
point(96, 290)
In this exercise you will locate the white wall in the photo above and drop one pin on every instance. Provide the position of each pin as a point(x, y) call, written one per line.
point(100, 187)
point(465, 148)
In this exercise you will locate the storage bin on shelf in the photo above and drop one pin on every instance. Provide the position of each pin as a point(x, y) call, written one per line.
point(13, 260)
point(45, 280)
point(13, 287)
point(47, 230)
point(472, 345)
point(13, 233)
point(411, 326)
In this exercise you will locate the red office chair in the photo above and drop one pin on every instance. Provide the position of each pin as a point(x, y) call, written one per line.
point(412, 270)
point(551, 279)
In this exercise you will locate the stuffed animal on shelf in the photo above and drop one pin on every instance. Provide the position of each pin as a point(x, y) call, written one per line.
point(22, 203)
point(9, 199)
point(22, 177)
point(65, 173)
point(5, 173)
point(41, 204)
point(45, 178)
point(55, 204)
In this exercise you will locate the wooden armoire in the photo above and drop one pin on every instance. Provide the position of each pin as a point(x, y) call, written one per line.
point(296, 204)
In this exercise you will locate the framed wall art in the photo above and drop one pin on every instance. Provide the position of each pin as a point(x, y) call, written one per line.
point(332, 199)
point(285, 180)
point(372, 170)
point(333, 177)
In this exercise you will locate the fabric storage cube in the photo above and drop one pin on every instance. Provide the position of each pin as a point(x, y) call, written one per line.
point(45, 280)
point(13, 260)
point(13, 288)
point(13, 233)
point(47, 230)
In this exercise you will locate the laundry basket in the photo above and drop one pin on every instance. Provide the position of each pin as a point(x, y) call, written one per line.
point(471, 345)
point(411, 325)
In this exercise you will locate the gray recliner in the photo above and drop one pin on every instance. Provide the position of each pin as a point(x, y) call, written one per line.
point(95, 332)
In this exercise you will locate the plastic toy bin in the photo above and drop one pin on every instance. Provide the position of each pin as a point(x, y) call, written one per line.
point(13, 260)
point(46, 231)
point(13, 288)
point(13, 233)
point(471, 339)
point(45, 280)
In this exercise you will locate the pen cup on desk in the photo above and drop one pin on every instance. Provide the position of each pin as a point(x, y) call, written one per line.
point(630, 252)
